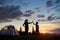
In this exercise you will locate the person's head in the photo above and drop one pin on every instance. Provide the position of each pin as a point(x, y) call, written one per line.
point(26, 20)
point(36, 22)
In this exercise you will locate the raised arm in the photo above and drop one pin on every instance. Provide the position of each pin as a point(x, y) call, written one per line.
point(34, 23)
point(30, 22)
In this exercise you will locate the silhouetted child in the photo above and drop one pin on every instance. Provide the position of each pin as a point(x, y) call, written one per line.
point(26, 25)
point(37, 26)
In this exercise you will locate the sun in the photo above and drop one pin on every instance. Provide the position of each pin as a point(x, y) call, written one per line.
point(43, 32)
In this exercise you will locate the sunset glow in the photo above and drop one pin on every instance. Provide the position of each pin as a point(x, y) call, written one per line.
point(43, 32)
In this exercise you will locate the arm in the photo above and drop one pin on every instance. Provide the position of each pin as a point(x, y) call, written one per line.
point(23, 24)
point(34, 23)
point(30, 22)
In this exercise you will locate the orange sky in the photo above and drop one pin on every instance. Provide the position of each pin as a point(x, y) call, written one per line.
point(42, 26)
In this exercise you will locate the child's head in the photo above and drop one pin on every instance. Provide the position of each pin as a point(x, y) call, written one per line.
point(36, 22)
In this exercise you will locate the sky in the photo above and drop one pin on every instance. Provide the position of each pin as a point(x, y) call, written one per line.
point(46, 12)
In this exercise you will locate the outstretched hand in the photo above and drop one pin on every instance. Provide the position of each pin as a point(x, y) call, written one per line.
point(32, 22)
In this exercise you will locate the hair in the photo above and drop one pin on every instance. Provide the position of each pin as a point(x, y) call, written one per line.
point(26, 20)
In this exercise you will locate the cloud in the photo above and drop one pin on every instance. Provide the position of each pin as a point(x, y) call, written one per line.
point(25, 4)
point(50, 17)
point(6, 20)
point(9, 12)
point(53, 4)
point(58, 18)
point(42, 20)
point(57, 31)
point(48, 10)
point(57, 9)
point(57, 1)
point(1, 1)
point(40, 16)
point(28, 13)
point(49, 3)
point(37, 9)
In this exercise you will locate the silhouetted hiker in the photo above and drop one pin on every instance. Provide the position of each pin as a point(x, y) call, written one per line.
point(26, 25)
point(37, 26)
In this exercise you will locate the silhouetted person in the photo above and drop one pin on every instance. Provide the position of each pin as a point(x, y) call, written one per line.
point(37, 26)
point(26, 25)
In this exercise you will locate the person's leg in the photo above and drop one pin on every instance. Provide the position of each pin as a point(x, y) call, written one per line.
point(37, 30)
point(27, 30)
